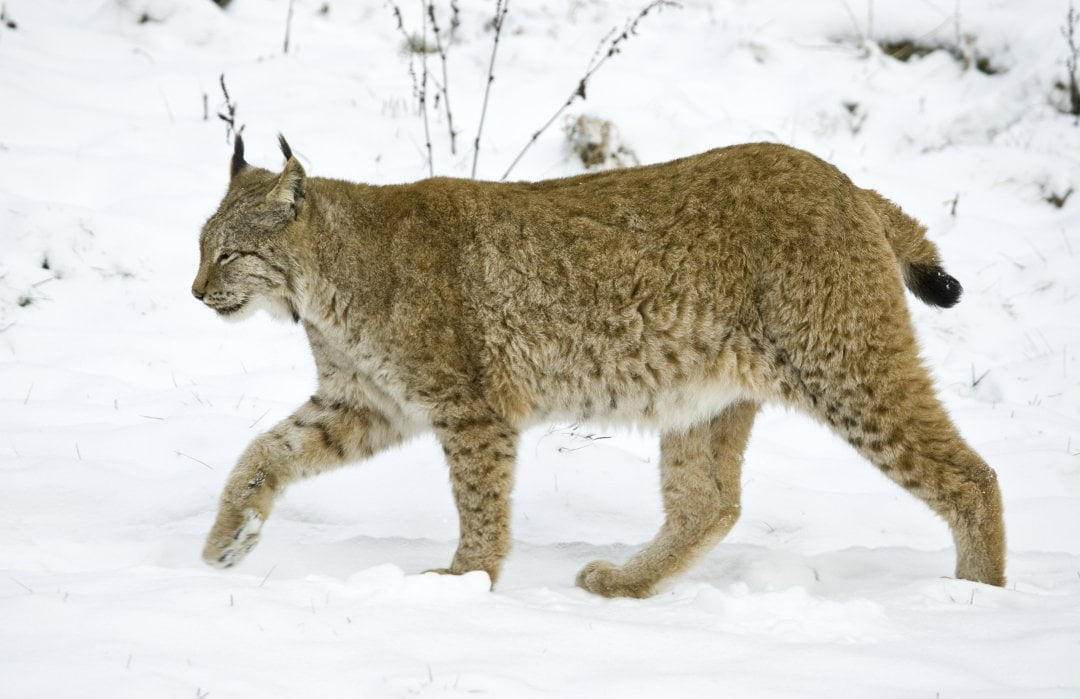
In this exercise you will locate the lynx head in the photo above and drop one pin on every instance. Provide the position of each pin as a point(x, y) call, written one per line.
point(244, 257)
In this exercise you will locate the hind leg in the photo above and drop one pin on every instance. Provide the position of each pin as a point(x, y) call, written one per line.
point(700, 470)
point(843, 348)
point(888, 411)
point(924, 453)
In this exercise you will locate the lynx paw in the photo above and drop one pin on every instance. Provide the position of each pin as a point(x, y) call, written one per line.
point(609, 580)
point(228, 549)
point(454, 571)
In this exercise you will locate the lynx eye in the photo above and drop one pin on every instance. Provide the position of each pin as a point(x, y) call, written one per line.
point(227, 257)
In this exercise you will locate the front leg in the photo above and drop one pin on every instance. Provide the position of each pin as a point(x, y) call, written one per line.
point(318, 436)
point(481, 450)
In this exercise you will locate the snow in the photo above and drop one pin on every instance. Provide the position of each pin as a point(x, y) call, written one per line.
point(123, 402)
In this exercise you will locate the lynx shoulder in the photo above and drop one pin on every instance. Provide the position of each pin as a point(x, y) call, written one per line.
point(680, 296)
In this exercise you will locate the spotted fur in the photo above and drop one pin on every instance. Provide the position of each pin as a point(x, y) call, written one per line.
point(678, 296)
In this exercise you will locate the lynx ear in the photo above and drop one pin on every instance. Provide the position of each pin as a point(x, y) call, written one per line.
point(238, 164)
point(289, 189)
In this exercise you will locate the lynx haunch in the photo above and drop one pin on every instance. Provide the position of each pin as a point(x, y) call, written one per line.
point(678, 296)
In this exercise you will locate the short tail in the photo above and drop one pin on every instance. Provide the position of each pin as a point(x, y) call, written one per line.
point(920, 264)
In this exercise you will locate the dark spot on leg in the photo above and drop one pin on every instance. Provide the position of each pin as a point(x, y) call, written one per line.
point(328, 440)
point(906, 463)
point(894, 438)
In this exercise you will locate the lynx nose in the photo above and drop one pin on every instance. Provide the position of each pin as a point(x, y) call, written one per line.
point(198, 287)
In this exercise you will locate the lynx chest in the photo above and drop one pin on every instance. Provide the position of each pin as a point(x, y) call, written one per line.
point(361, 373)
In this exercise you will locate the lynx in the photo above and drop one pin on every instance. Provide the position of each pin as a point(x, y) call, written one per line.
point(679, 297)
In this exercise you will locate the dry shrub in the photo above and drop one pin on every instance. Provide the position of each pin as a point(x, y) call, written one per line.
point(597, 143)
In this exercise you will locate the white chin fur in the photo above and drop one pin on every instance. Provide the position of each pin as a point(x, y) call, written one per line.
point(277, 310)
point(243, 313)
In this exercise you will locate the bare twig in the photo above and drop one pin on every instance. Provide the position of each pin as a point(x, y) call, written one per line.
point(443, 49)
point(229, 113)
point(418, 44)
point(288, 26)
point(609, 46)
point(400, 23)
point(424, 85)
point(1069, 32)
point(501, 7)
point(455, 20)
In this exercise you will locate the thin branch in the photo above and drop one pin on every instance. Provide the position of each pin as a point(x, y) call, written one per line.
point(408, 44)
point(607, 48)
point(444, 86)
point(288, 26)
point(400, 23)
point(455, 20)
point(1069, 32)
point(423, 87)
point(500, 15)
point(229, 115)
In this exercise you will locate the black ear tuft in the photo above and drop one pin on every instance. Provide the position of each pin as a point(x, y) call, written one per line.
point(238, 163)
point(285, 150)
point(932, 285)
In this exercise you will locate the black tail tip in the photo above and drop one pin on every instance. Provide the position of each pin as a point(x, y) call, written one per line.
point(932, 285)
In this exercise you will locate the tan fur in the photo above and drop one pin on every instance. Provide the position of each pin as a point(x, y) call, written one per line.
point(677, 296)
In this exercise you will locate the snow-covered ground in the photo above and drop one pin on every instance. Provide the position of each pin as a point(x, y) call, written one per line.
point(124, 402)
